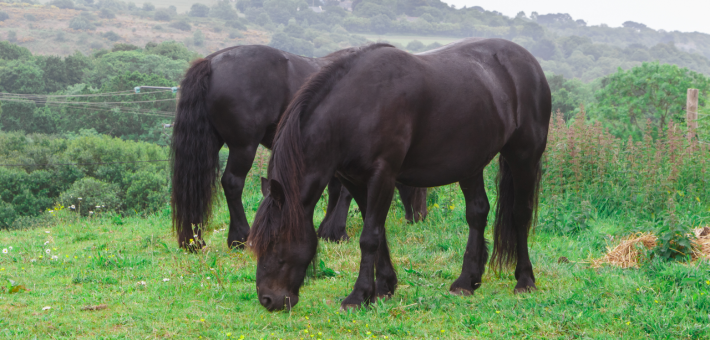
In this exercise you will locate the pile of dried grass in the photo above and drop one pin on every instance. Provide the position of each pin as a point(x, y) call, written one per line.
point(628, 253)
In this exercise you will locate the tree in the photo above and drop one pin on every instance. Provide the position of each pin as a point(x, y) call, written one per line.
point(198, 38)
point(380, 24)
point(283, 42)
point(21, 77)
point(224, 10)
point(9, 51)
point(652, 91)
point(199, 11)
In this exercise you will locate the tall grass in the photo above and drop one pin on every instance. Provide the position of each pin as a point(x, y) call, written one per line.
point(588, 173)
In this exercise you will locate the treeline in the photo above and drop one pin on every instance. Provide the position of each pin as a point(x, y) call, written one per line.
point(91, 92)
point(564, 46)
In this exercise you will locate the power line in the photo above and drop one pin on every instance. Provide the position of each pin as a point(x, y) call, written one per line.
point(97, 163)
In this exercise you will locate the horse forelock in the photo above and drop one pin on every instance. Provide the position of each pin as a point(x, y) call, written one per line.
point(287, 160)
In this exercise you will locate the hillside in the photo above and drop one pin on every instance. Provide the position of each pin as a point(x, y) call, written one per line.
point(47, 30)
point(564, 45)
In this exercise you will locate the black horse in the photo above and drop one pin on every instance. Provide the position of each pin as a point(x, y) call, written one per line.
point(237, 96)
point(380, 116)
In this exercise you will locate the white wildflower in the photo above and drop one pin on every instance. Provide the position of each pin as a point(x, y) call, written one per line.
point(46, 308)
point(166, 279)
point(4, 251)
point(47, 250)
point(10, 247)
point(46, 231)
point(55, 257)
point(46, 243)
point(141, 283)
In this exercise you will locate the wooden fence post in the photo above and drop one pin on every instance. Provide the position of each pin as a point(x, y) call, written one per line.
point(691, 118)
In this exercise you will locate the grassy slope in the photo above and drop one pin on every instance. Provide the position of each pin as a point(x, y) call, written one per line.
point(212, 295)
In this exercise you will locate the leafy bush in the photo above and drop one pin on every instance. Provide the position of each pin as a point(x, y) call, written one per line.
point(293, 45)
point(81, 23)
point(236, 24)
point(4, 16)
point(415, 46)
point(63, 4)
point(7, 215)
point(30, 17)
point(89, 194)
point(162, 15)
point(12, 36)
point(224, 10)
point(148, 192)
point(199, 10)
point(198, 38)
point(107, 13)
point(148, 7)
point(124, 47)
point(10, 51)
point(111, 35)
point(181, 25)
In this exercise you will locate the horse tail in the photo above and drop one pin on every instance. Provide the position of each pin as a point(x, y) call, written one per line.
point(505, 238)
point(194, 154)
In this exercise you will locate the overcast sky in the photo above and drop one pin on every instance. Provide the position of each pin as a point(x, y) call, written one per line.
point(684, 16)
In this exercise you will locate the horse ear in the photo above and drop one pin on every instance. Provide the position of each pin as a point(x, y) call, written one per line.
point(264, 186)
point(276, 191)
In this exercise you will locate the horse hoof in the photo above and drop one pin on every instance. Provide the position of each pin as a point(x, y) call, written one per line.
point(348, 307)
point(460, 292)
point(522, 290)
point(235, 244)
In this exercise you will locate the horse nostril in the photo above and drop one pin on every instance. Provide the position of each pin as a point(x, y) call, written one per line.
point(266, 301)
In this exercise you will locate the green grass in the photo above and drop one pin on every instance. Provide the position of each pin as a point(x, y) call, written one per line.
point(212, 295)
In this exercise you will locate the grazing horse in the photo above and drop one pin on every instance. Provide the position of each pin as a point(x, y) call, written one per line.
point(237, 96)
point(381, 116)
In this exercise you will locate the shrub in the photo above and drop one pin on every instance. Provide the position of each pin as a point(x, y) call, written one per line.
point(148, 7)
point(181, 25)
point(111, 35)
point(198, 38)
point(81, 23)
point(61, 36)
point(199, 10)
point(162, 15)
point(12, 36)
point(415, 46)
point(88, 193)
point(236, 24)
point(30, 17)
point(4, 16)
point(148, 192)
point(107, 13)
point(124, 47)
point(7, 215)
point(63, 4)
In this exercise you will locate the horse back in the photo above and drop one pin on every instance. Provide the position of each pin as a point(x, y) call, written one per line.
point(250, 88)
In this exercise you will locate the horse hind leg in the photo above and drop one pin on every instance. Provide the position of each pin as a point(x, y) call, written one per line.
point(238, 166)
point(407, 195)
point(476, 255)
point(333, 226)
point(516, 204)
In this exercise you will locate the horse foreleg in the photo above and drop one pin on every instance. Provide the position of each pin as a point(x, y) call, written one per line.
point(373, 243)
point(238, 165)
point(474, 260)
point(336, 215)
point(406, 194)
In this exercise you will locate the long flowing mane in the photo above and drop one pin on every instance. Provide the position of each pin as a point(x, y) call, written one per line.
point(286, 164)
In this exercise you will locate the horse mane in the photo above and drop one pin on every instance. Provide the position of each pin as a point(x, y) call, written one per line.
point(286, 164)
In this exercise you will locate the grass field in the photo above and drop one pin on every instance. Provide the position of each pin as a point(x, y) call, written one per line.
point(151, 289)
